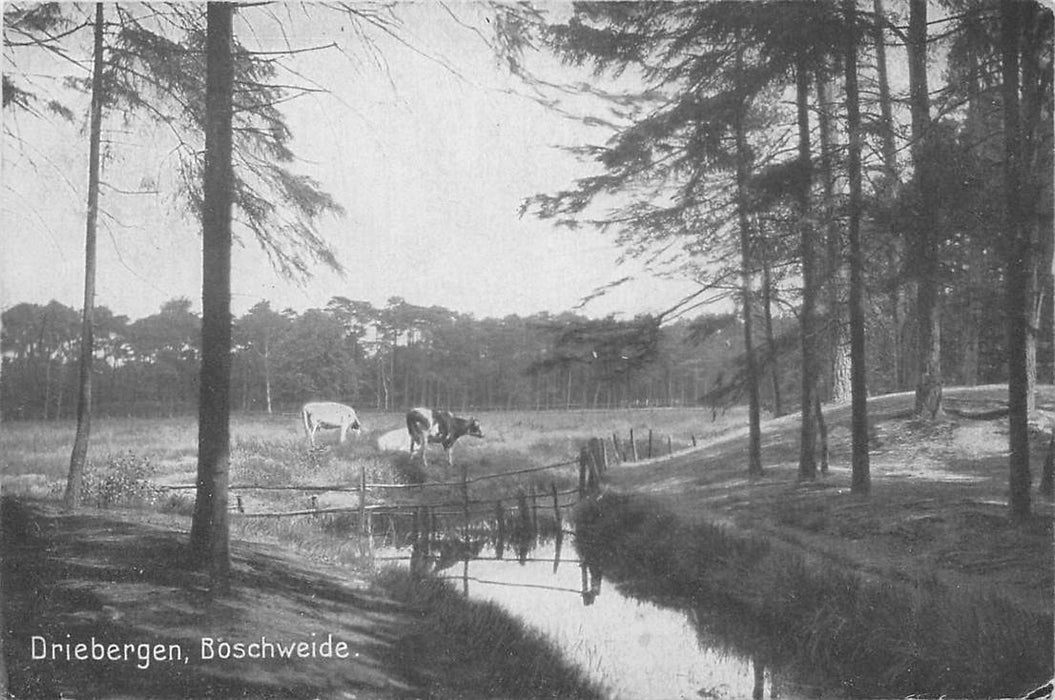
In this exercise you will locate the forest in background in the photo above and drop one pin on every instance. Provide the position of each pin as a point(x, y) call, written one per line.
point(400, 355)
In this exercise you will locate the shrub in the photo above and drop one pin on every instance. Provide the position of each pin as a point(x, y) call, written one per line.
point(123, 480)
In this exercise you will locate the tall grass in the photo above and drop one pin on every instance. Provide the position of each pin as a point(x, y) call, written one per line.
point(878, 636)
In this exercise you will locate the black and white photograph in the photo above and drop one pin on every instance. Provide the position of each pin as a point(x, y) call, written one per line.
point(517, 349)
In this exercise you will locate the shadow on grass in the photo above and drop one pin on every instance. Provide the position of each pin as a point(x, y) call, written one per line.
point(72, 579)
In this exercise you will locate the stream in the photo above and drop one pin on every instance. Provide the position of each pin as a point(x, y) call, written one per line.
point(632, 648)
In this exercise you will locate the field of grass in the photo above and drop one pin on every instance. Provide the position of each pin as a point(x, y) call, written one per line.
point(130, 459)
point(272, 450)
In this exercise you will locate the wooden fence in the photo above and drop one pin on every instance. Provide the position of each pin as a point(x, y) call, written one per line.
point(593, 462)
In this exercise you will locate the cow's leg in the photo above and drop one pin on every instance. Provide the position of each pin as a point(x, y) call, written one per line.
point(424, 443)
point(450, 462)
point(344, 431)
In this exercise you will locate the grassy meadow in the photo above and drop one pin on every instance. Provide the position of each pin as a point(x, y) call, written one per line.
point(130, 460)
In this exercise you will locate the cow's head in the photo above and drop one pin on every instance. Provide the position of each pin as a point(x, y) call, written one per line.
point(473, 428)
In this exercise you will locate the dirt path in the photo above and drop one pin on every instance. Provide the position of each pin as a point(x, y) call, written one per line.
point(116, 580)
point(937, 507)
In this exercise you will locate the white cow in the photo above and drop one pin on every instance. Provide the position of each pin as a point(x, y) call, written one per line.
point(329, 414)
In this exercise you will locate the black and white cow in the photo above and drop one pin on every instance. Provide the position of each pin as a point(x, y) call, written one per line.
point(328, 414)
point(426, 425)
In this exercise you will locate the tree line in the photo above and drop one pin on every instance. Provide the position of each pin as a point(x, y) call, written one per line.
point(380, 358)
point(401, 354)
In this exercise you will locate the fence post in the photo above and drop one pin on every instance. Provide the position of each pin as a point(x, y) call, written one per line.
point(595, 456)
point(584, 457)
point(430, 528)
point(315, 505)
point(241, 507)
point(694, 440)
point(617, 449)
point(633, 445)
point(362, 511)
point(650, 443)
point(370, 534)
point(600, 454)
point(465, 496)
point(670, 445)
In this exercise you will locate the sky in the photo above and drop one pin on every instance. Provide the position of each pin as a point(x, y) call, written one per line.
point(427, 144)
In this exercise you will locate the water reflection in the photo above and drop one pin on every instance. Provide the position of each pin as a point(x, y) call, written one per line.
point(633, 647)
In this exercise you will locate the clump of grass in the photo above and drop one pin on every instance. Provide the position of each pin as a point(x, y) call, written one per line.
point(481, 650)
point(176, 503)
point(876, 635)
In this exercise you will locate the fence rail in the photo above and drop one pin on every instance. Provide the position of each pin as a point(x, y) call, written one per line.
point(345, 488)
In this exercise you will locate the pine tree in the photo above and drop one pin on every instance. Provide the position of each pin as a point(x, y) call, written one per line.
point(209, 527)
point(79, 453)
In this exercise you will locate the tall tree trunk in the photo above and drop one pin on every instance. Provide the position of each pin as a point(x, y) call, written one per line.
point(79, 454)
point(808, 255)
point(860, 481)
point(886, 193)
point(1035, 294)
point(267, 374)
point(885, 105)
point(1018, 266)
point(835, 273)
point(754, 445)
point(209, 528)
point(929, 386)
point(1034, 85)
point(972, 328)
point(767, 311)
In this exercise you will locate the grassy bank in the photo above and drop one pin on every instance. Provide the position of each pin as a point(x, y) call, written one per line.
point(877, 636)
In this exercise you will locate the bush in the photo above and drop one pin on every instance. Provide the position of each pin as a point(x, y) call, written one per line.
point(123, 481)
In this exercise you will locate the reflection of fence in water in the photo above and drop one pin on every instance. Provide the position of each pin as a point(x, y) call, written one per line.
point(430, 557)
point(509, 523)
